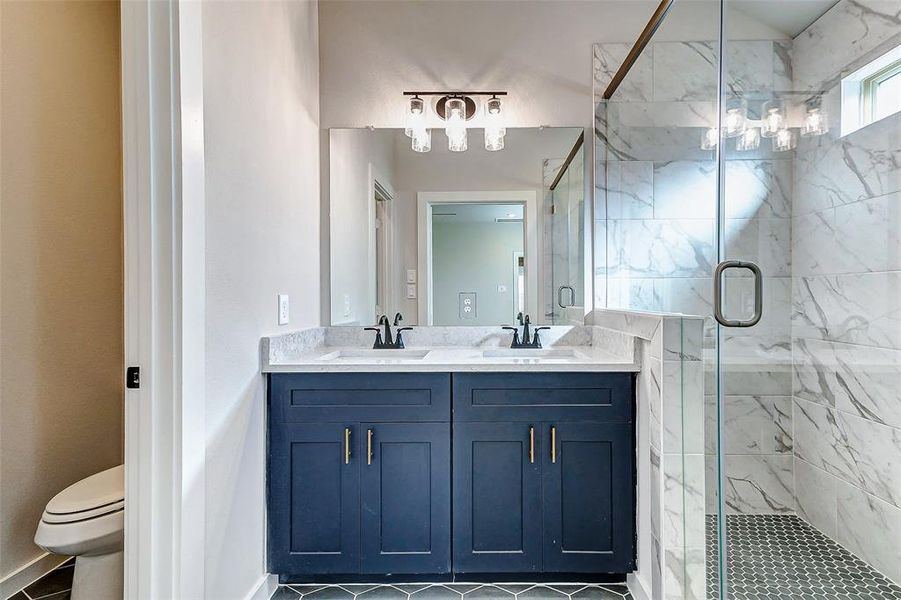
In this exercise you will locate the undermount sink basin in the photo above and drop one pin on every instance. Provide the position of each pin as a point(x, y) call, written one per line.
point(530, 353)
point(372, 354)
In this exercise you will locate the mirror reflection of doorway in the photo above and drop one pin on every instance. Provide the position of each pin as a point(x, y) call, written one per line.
point(472, 245)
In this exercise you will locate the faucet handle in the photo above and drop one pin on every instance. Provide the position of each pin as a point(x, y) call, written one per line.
point(519, 317)
point(535, 340)
point(398, 339)
point(378, 336)
point(398, 318)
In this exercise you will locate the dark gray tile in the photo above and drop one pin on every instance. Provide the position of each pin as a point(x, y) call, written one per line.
point(329, 593)
point(383, 593)
point(18, 596)
point(54, 582)
point(57, 596)
point(285, 593)
point(488, 592)
point(436, 592)
point(540, 592)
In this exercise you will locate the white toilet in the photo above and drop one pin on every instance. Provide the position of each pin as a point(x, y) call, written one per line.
point(87, 520)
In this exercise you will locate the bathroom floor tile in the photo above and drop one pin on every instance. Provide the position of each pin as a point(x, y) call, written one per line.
point(782, 556)
point(54, 582)
point(457, 591)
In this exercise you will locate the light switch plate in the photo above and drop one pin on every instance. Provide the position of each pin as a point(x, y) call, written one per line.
point(411, 275)
point(283, 314)
point(411, 291)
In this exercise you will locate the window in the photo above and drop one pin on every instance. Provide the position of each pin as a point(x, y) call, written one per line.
point(871, 93)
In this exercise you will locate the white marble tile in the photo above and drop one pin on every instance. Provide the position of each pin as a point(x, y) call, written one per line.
point(739, 301)
point(656, 492)
point(860, 380)
point(753, 365)
point(759, 484)
point(684, 576)
point(652, 390)
point(687, 295)
point(684, 500)
point(758, 189)
point(815, 493)
point(638, 84)
point(749, 68)
point(782, 65)
point(856, 308)
point(871, 529)
point(766, 242)
point(683, 407)
point(850, 29)
point(660, 248)
point(685, 189)
point(644, 326)
point(629, 132)
point(629, 189)
point(635, 294)
point(683, 339)
point(752, 424)
point(685, 71)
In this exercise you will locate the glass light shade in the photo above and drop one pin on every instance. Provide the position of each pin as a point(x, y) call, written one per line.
point(784, 140)
point(748, 140)
point(455, 124)
point(735, 118)
point(815, 123)
point(494, 126)
point(773, 118)
point(710, 138)
point(414, 119)
point(422, 140)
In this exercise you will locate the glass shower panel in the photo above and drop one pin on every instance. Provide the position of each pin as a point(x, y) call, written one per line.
point(810, 393)
point(568, 244)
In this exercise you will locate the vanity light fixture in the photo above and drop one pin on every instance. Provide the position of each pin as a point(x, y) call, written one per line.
point(455, 124)
point(494, 126)
point(456, 109)
point(748, 140)
point(773, 118)
point(816, 122)
point(710, 138)
point(784, 140)
point(734, 119)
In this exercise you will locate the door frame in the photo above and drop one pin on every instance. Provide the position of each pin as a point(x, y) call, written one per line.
point(424, 203)
point(163, 231)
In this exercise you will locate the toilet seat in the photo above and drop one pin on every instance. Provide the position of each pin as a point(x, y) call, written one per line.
point(91, 497)
point(72, 517)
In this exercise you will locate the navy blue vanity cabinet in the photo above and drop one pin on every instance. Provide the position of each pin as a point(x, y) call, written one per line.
point(544, 472)
point(497, 498)
point(359, 474)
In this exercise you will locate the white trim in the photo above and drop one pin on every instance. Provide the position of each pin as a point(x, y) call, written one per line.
point(163, 185)
point(637, 587)
point(424, 202)
point(264, 588)
point(29, 573)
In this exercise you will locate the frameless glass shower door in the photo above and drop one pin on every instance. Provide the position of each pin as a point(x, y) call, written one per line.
point(566, 296)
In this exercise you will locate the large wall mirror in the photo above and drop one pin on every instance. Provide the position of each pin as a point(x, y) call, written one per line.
point(458, 238)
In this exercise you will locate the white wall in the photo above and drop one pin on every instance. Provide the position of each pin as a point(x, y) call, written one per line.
point(261, 122)
point(539, 51)
point(356, 156)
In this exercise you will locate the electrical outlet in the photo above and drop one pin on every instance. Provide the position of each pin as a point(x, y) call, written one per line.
point(411, 291)
point(283, 309)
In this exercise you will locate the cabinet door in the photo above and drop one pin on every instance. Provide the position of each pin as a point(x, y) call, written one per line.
point(497, 499)
point(314, 498)
point(406, 497)
point(588, 491)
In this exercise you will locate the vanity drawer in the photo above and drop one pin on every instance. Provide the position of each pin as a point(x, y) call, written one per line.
point(370, 397)
point(605, 397)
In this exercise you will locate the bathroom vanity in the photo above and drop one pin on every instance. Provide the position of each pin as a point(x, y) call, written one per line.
point(449, 461)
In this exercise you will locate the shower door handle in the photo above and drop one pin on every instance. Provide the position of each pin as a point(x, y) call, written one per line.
point(572, 296)
point(718, 293)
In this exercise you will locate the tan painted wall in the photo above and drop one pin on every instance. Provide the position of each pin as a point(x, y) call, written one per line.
point(60, 257)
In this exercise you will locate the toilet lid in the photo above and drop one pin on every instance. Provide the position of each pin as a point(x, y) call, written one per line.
point(105, 489)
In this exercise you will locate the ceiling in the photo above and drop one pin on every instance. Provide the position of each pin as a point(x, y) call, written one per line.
point(790, 17)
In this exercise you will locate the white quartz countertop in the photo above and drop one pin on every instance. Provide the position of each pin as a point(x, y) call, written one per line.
point(448, 349)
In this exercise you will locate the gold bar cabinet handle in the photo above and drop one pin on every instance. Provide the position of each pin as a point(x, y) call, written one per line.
point(368, 446)
point(553, 444)
point(347, 445)
point(531, 444)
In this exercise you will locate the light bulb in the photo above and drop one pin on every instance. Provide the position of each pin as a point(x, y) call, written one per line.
point(709, 139)
point(414, 119)
point(748, 140)
point(422, 140)
point(494, 127)
point(455, 124)
point(815, 123)
point(734, 119)
point(773, 118)
point(784, 140)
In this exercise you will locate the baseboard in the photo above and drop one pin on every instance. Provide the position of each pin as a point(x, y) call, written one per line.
point(264, 588)
point(29, 573)
point(637, 587)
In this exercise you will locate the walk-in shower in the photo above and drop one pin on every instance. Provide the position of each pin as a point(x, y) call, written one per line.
point(764, 138)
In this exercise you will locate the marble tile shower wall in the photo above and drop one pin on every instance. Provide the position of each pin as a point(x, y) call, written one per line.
point(655, 225)
point(846, 318)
